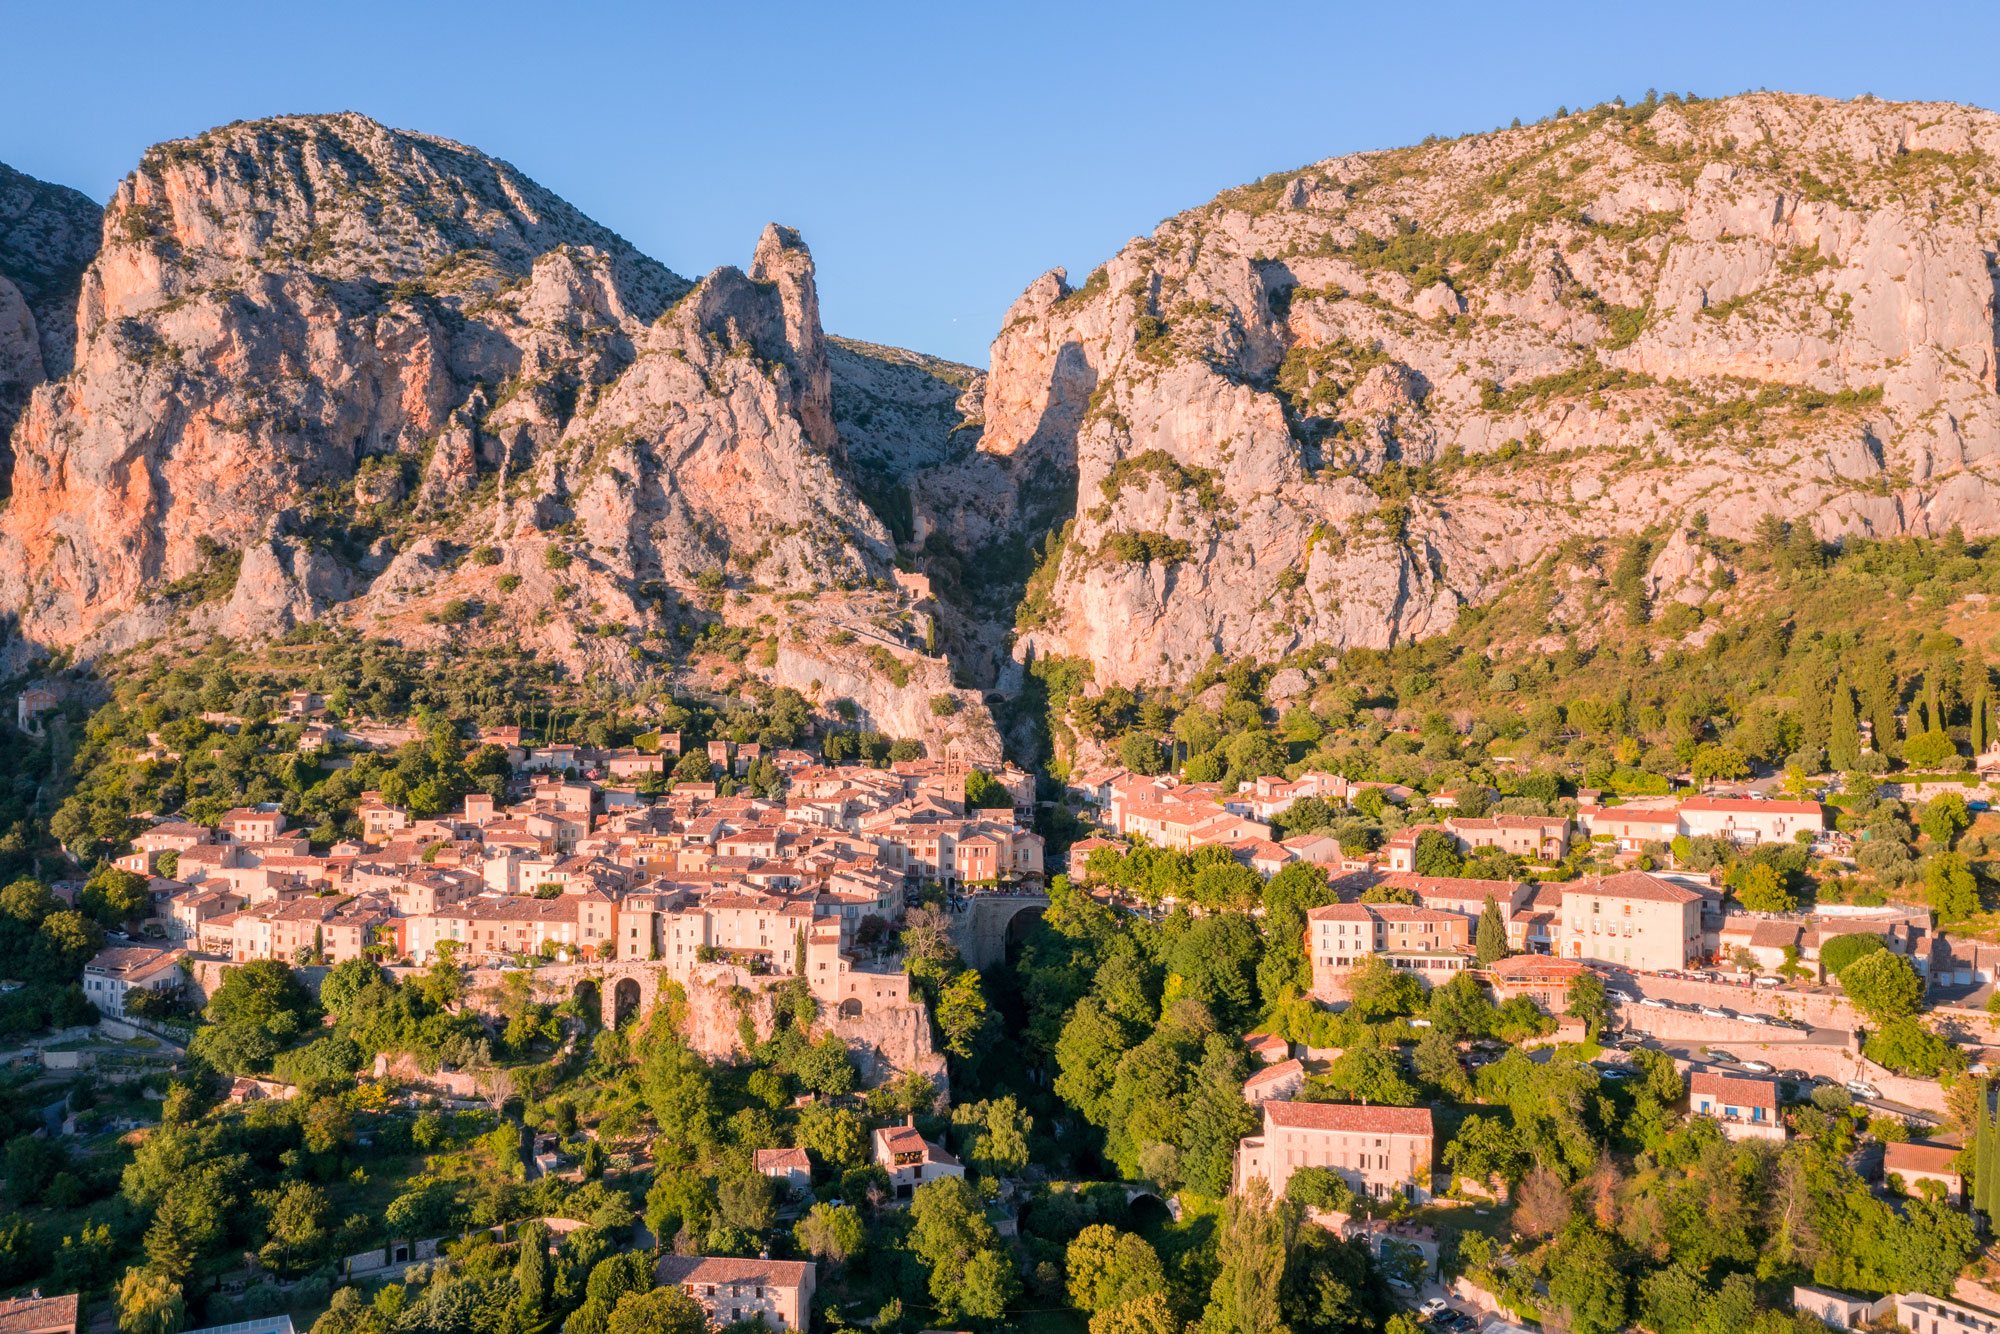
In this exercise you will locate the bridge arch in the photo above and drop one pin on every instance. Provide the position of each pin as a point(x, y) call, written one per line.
point(983, 926)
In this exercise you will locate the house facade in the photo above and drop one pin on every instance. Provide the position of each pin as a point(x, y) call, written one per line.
point(1379, 1151)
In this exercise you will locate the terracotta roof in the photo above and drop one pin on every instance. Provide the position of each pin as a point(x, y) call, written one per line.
point(1744, 804)
point(1349, 1117)
point(1901, 1158)
point(1276, 1073)
point(1637, 885)
point(1451, 886)
point(29, 1315)
point(782, 1160)
point(680, 1269)
point(1734, 1089)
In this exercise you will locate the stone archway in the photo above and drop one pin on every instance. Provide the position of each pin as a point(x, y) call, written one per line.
point(624, 999)
point(850, 1008)
point(985, 927)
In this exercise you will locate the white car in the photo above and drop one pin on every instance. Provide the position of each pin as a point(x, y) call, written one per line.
point(1760, 1067)
point(1433, 1306)
point(1861, 1088)
point(1709, 1011)
point(1756, 1018)
point(1653, 1003)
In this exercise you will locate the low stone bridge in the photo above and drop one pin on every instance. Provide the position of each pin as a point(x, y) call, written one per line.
point(986, 926)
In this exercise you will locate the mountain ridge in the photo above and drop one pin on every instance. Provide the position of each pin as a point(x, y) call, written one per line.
point(397, 383)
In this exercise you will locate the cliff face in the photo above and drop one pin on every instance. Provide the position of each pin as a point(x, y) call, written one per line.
point(1335, 406)
point(48, 233)
point(325, 369)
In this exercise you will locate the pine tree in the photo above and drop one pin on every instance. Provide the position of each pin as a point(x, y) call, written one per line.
point(1982, 711)
point(1491, 942)
point(1843, 745)
point(1933, 713)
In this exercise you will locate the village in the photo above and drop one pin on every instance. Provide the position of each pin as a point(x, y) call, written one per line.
point(604, 877)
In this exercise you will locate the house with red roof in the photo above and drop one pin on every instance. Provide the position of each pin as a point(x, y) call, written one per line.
point(910, 1159)
point(1379, 1151)
point(1745, 1108)
point(778, 1292)
point(1633, 919)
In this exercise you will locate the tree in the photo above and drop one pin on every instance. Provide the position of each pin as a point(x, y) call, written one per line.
point(830, 1233)
point(949, 1233)
point(1586, 1281)
point(994, 1135)
point(1370, 1074)
point(1486, 1149)
point(1436, 853)
point(1589, 1001)
point(1379, 990)
point(260, 1008)
point(1251, 1251)
point(1150, 1314)
point(1490, 944)
point(1843, 746)
point(1949, 886)
point(1908, 1047)
point(1882, 986)
point(1714, 761)
point(1944, 818)
point(747, 1201)
point(833, 1135)
point(1837, 953)
point(961, 1012)
point(985, 792)
point(1109, 1267)
point(113, 896)
point(1929, 750)
point(1760, 888)
point(660, 1311)
point(1460, 1009)
point(150, 1302)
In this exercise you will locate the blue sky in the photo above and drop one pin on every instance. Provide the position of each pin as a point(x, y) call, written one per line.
point(936, 156)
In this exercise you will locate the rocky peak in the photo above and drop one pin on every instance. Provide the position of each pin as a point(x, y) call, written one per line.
point(48, 234)
point(1332, 407)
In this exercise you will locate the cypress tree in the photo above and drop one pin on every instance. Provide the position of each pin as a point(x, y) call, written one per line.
point(1843, 744)
point(1982, 709)
point(1491, 942)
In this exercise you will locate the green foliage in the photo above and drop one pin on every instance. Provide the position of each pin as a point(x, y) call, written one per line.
point(1882, 986)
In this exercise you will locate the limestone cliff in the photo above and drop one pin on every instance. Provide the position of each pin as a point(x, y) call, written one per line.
point(1335, 406)
point(48, 233)
point(328, 369)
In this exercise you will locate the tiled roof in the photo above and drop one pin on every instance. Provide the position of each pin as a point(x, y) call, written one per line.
point(676, 1270)
point(1734, 1089)
point(782, 1160)
point(26, 1315)
point(1900, 1158)
point(1352, 1118)
point(1636, 885)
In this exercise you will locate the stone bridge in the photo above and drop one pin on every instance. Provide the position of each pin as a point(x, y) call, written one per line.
point(619, 989)
point(986, 926)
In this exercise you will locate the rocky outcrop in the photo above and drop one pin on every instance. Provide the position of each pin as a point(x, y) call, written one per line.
point(326, 369)
point(1334, 407)
point(329, 369)
point(48, 233)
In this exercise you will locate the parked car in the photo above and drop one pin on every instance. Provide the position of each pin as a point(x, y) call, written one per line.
point(1759, 1067)
point(1861, 1088)
point(1794, 1076)
point(1433, 1307)
point(1616, 1071)
point(1769, 982)
point(1654, 1003)
point(1755, 1018)
point(1713, 1012)
point(1717, 1054)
